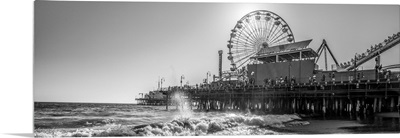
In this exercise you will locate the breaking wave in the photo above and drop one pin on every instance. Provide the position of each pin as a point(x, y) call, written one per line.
point(216, 123)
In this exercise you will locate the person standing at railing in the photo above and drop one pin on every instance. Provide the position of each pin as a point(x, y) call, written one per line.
point(293, 80)
point(286, 80)
point(314, 78)
point(266, 81)
point(398, 108)
point(372, 49)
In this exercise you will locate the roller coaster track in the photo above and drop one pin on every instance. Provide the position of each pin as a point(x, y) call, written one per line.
point(391, 66)
point(375, 53)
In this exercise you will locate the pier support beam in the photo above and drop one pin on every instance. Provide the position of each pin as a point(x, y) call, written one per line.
point(380, 105)
point(358, 106)
point(294, 105)
point(391, 104)
point(323, 106)
point(398, 104)
point(340, 106)
point(375, 104)
point(166, 101)
point(336, 106)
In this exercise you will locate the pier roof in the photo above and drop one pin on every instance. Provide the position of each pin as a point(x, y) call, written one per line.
point(286, 52)
point(285, 47)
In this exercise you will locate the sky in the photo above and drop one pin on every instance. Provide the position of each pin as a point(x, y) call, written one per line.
point(109, 52)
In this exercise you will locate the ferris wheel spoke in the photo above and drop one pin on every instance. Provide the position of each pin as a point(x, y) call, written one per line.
point(244, 40)
point(245, 57)
point(257, 28)
point(270, 30)
point(242, 46)
point(243, 33)
point(245, 30)
point(283, 41)
point(248, 34)
point(278, 40)
point(248, 30)
point(244, 62)
point(242, 49)
point(239, 52)
point(242, 54)
point(267, 27)
point(254, 28)
point(263, 28)
point(260, 27)
point(273, 33)
point(277, 35)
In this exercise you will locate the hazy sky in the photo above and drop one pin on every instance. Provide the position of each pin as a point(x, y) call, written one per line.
point(111, 51)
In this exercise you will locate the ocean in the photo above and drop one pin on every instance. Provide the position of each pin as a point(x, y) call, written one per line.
point(96, 119)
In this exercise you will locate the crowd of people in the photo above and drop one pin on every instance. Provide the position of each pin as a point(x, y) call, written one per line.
point(369, 51)
point(279, 81)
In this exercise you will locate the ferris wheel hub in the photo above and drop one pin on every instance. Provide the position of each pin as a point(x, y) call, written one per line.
point(265, 45)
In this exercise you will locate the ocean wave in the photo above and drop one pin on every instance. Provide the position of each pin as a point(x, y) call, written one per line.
point(72, 123)
point(225, 124)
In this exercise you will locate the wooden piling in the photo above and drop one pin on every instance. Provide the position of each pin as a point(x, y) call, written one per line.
point(336, 106)
point(391, 104)
point(341, 106)
point(323, 106)
point(167, 100)
point(375, 104)
point(380, 105)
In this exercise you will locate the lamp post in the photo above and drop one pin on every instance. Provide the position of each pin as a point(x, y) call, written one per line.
point(182, 77)
point(252, 78)
point(208, 74)
point(158, 82)
point(290, 66)
point(161, 81)
point(355, 67)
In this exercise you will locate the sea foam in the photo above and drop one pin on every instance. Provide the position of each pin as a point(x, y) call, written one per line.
point(225, 124)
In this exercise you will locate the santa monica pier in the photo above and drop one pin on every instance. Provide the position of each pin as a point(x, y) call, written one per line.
point(271, 72)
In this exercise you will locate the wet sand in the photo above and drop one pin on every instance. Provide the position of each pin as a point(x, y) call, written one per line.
point(389, 114)
point(324, 127)
point(380, 123)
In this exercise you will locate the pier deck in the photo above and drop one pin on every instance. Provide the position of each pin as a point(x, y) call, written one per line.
point(364, 96)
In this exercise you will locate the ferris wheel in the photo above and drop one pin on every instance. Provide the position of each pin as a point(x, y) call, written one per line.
point(256, 30)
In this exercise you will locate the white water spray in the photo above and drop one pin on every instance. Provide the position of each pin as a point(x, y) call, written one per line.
point(182, 103)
